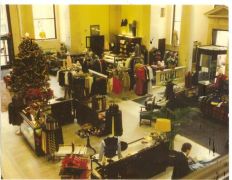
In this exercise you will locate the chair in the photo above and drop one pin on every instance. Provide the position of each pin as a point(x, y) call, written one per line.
point(149, 111)
point(148, 115)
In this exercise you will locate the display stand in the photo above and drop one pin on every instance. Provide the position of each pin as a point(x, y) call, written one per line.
point(32, 134)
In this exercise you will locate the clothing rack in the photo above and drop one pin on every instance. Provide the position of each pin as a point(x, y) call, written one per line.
point(97, 73)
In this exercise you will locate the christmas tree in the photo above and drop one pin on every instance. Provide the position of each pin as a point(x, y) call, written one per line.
point(29, 77)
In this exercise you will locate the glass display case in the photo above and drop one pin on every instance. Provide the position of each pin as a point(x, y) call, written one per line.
point(211, 61)
point(32, 134)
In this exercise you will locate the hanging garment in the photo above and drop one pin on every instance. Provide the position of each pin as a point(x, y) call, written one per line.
point(132, 73)
point(126, 81)
point(66, 78)
point(117, 85)
point(96, 66)
point(14, 108)
point(78, 87)
point(109, 85)
point(99, 86)
point(61, 78)
point(145, 86)
point(85, 114)
point(88, 83)
point(140, 79)
point(151, 78)
point(113, 114)
point(103, 66)
point(14, 116)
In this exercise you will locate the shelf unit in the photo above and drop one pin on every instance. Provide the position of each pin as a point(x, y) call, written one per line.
point(126, 44)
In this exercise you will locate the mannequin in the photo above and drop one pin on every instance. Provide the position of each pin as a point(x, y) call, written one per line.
point(112, 145)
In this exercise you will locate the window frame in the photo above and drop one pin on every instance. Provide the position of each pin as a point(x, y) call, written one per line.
point(54, 13)
point(9, 38)
point(173, 25)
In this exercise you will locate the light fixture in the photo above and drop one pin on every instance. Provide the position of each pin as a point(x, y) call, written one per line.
point(163, 125)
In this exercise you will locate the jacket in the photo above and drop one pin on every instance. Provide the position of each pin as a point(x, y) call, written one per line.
point(181, 167)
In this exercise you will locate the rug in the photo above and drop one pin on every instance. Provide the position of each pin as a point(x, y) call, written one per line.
point(5, 97)
point(211, 134)
point(192, 124)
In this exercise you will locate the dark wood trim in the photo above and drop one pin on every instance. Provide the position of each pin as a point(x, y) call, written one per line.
point(9, 39)
point(54, 11)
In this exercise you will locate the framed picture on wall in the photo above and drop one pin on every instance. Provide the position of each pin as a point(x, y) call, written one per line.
point(94, 30)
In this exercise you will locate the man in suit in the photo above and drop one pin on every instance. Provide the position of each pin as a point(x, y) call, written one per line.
point(181, 167)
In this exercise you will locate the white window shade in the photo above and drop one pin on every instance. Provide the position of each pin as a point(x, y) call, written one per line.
point(44, 21)
point(222, 38)
point(4, 23)
point(42, 11)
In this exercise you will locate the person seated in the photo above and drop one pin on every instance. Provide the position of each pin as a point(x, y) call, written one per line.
point(181, 166)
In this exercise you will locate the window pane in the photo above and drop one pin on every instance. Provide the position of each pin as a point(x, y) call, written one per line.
point(4, 48)
point(178, 12)
point(222, 38)
point(4, 24)
point(42, 11)
point(4, 60)
point(44, 28)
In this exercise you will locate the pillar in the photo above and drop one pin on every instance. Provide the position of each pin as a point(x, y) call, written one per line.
point(186, 38)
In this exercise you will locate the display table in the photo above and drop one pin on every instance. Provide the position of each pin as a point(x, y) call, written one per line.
point(61, 110)
point(32, 134)
point(140, 161)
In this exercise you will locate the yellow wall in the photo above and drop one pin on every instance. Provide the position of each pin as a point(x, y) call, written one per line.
point(200, 23)
point(22, 22)
point(141, 14)
point(161, 27)
point(114, 21)
point(81, 17)
point(15, 27)
point(186, 38)
point(216, 23)
point(219, 23)
point(26, 19)
point(169, 17)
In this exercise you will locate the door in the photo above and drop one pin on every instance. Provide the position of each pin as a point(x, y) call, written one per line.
point(6, 41)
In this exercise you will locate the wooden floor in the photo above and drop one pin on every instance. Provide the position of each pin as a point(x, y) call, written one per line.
point(19, 161)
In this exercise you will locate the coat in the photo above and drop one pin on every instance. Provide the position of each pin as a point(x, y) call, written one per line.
point(181, 167)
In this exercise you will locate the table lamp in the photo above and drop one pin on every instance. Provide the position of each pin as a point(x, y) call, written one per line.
point(163, 125)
